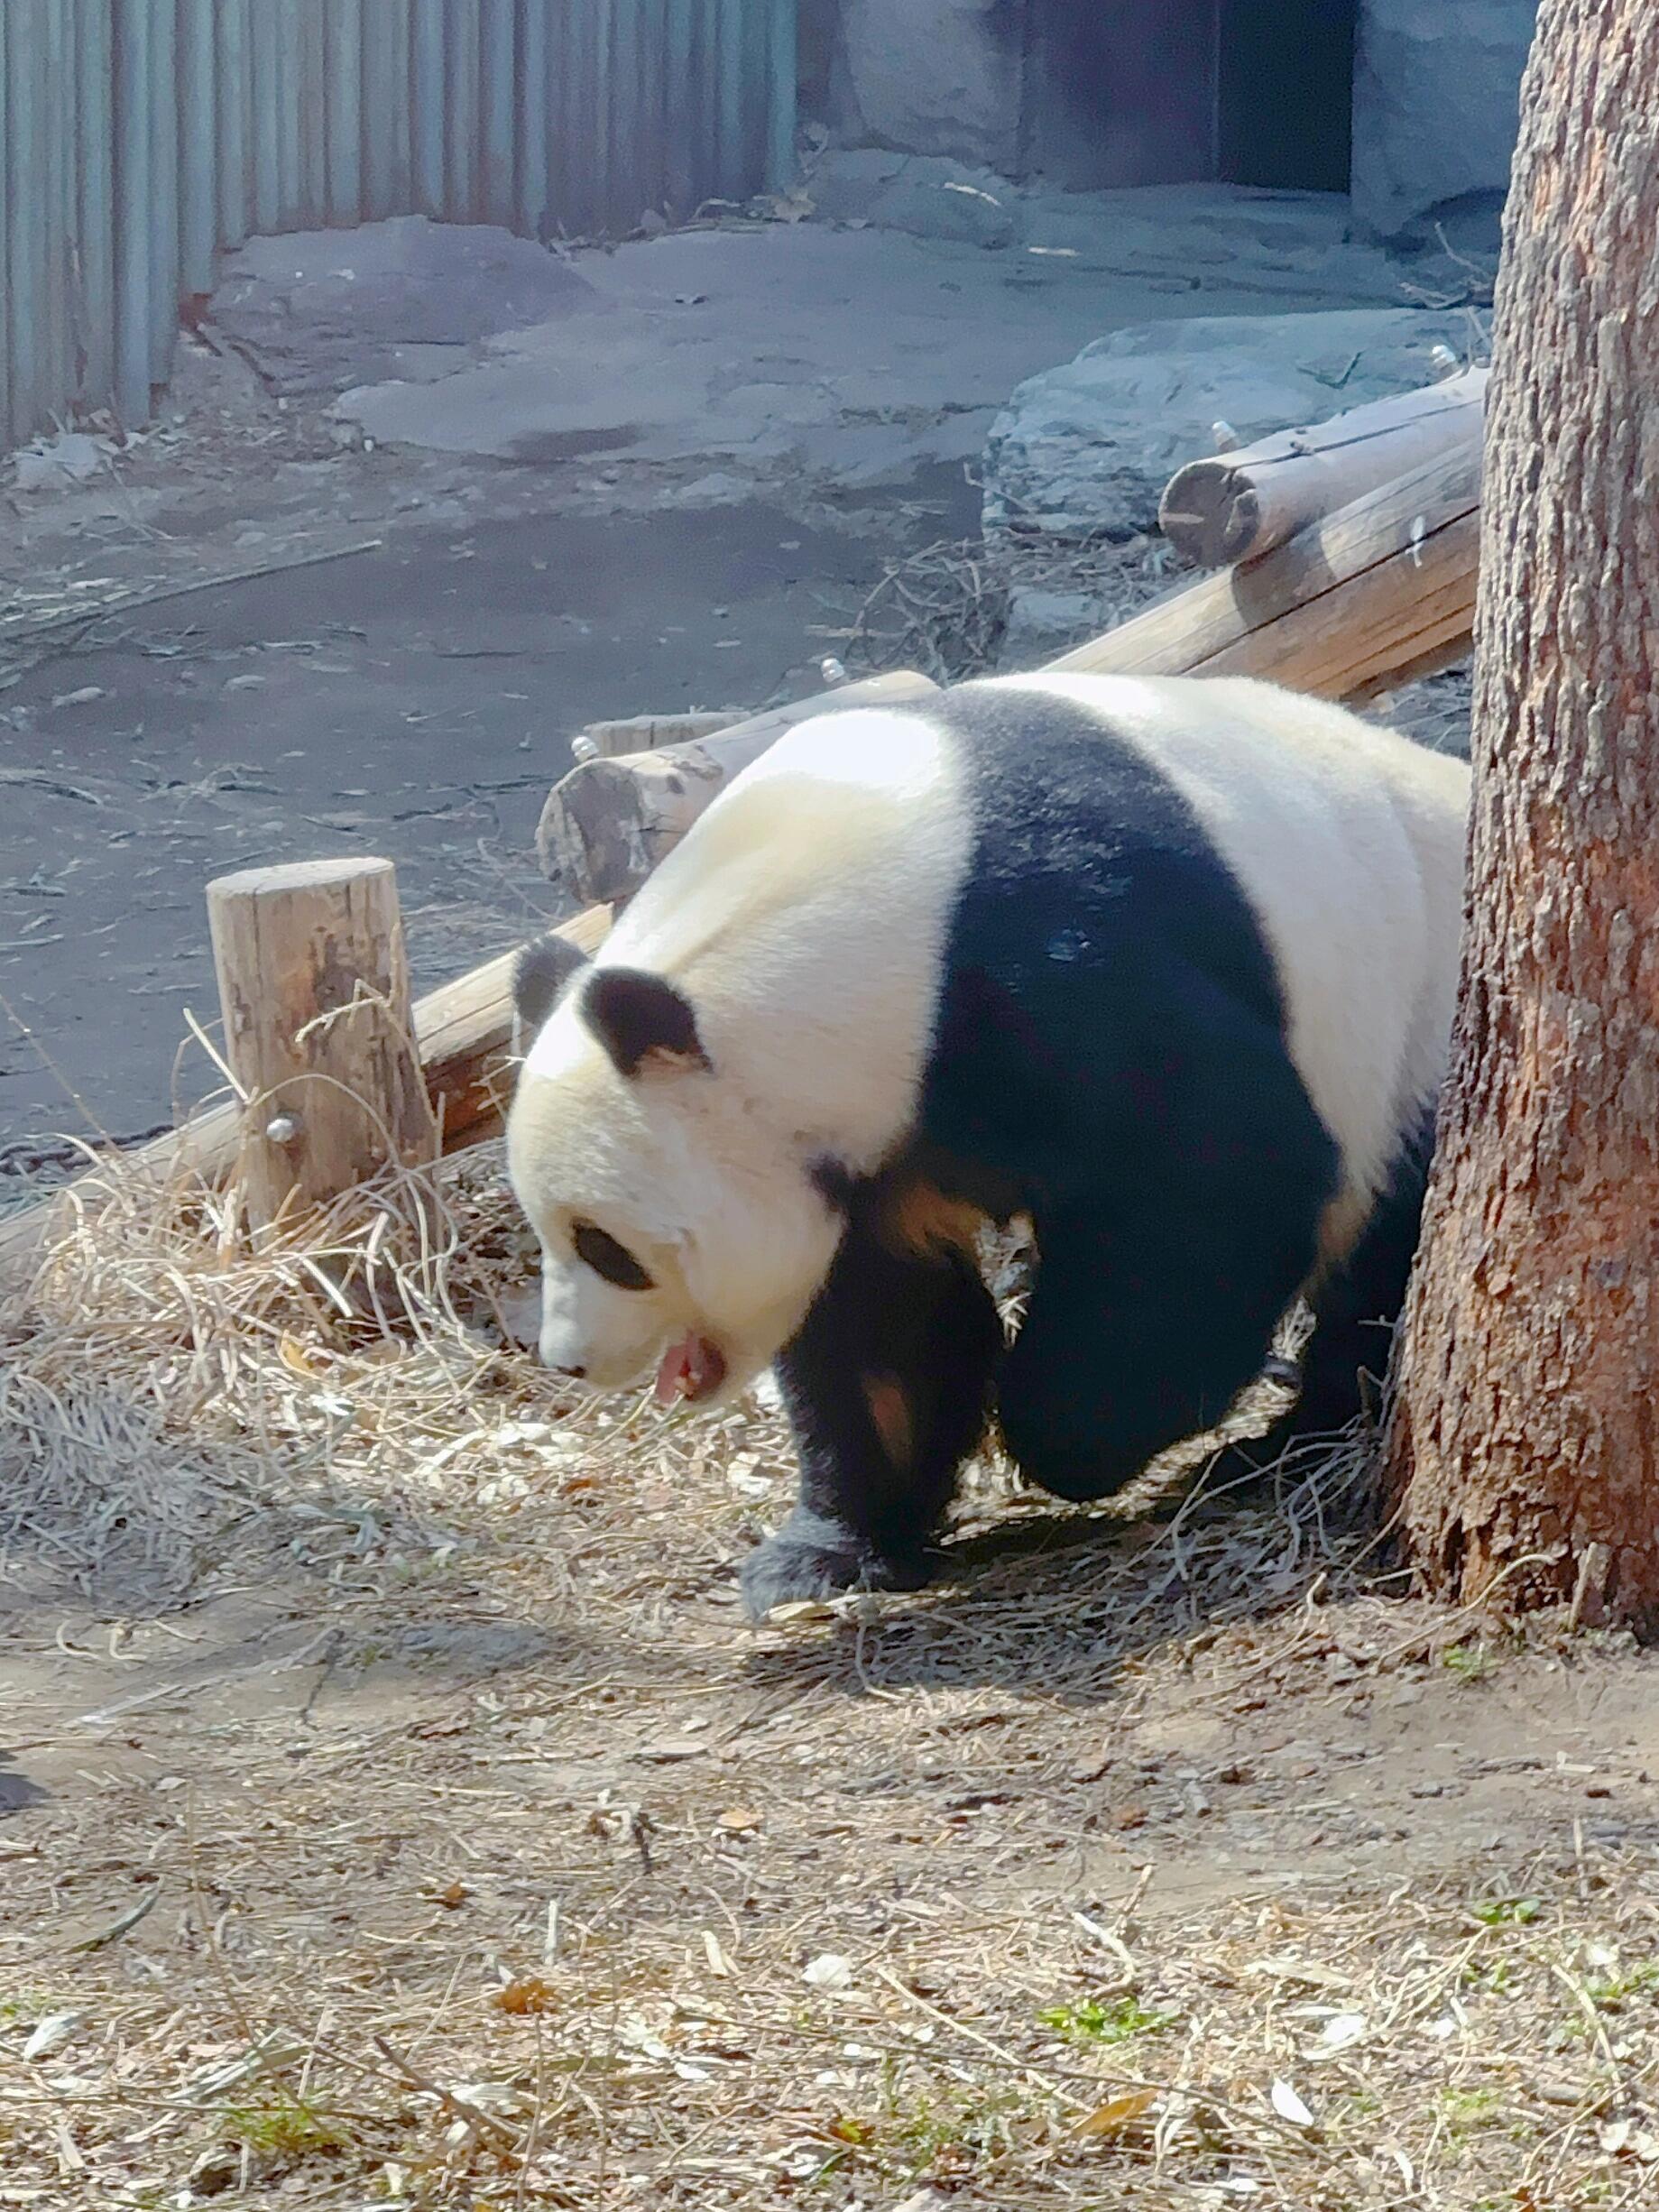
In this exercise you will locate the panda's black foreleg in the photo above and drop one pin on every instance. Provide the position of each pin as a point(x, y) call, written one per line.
point(888, 1386)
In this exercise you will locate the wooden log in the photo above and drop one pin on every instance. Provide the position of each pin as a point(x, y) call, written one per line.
point(609, 822)
point(1237, 506)
point(1379, 594)
point(603, 741)
point(463, 1031)
point(314, 989)
point(1374, 595)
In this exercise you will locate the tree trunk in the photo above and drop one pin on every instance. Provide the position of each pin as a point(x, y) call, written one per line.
point(1523, 1450)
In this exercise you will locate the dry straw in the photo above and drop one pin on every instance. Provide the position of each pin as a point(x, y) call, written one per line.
point(432, 1833)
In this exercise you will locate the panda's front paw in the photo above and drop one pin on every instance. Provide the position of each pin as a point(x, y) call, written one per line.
point(811, 1558)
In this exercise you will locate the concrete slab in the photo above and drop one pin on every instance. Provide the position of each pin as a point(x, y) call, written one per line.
point(785, 349)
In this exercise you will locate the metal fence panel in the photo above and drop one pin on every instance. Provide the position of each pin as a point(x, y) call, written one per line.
point(140, 137)
point(461, 30)
point(233, 64)
point(387, 96)
point(530, 126)
point(6, 246)
point(346, 114)
point(25, 232)
point(199, 144)
point(164, 119)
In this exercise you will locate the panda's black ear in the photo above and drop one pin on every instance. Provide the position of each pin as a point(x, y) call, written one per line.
point(642, 1020)
point(543, 967)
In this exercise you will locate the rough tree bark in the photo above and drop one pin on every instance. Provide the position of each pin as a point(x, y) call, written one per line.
point(1524, 1453)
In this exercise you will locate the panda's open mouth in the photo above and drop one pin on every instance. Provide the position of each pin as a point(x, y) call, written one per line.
point(691, 1370)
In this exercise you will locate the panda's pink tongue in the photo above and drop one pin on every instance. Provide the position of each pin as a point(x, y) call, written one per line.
point(690, 1370)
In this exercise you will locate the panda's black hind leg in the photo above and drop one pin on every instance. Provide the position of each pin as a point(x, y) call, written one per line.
point(1138, 1337)
point(888, 1388)
point(1355, 1308)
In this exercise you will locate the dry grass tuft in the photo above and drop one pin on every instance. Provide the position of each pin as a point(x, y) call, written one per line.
point(417, 1825)
point(944, 609)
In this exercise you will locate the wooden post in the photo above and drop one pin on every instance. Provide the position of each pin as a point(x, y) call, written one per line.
point(463, 1030)
point(318, 1030)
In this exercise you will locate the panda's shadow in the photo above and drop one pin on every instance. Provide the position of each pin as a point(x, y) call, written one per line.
point(1057, 1604)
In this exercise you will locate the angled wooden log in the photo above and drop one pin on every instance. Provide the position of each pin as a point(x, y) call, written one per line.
point(1237, 506)
point(1374, 595)
point(602, 740)
point(610, 821)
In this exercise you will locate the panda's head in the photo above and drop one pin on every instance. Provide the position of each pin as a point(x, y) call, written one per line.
point(681, 1225)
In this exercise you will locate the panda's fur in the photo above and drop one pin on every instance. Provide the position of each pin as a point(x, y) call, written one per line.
point(1166, 964)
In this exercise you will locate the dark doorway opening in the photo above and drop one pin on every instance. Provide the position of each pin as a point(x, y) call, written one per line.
point(1285, 93)
point(1255, 92)
point(1088, 93)
point(1119, 92)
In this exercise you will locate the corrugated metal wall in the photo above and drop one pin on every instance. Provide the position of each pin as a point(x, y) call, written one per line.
point(138, 136)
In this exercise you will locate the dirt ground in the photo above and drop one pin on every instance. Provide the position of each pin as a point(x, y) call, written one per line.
point(399, 1810)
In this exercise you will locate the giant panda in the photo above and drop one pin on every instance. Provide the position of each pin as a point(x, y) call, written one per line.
point(1165, 966)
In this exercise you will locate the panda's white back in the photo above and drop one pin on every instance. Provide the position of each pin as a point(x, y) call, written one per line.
point(807, 913)
point(814, 898)
point(1348, 840)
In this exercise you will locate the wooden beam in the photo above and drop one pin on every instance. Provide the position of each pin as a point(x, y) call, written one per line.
point(1374, 595)
point(603, 741)
point(1237, 506)
point(1381, 592)
point(609, 822)
point(465, 1033)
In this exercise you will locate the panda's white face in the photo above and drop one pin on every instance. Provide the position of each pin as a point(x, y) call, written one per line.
point(680, 1229)
point(764, 1005)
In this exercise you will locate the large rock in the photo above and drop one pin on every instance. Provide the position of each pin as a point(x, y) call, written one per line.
point(1435, 106)
point(930, 76)
point(1084, 450)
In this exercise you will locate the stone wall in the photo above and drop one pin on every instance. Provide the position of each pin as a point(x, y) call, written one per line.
point(1435, 108)
point(1084, 92)
point(1434, 97)
point(940, 76)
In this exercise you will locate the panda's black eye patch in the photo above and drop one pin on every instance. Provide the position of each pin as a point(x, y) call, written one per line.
point(608, 1259)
